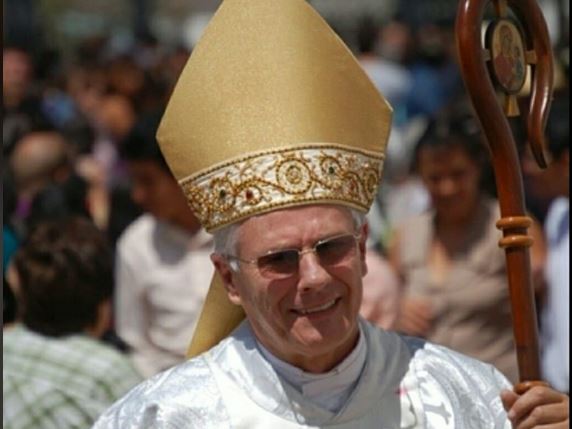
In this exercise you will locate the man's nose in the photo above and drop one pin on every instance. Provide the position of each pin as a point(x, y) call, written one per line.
point(312, 274)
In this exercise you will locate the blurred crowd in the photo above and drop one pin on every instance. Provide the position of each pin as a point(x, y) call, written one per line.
point(86, 190)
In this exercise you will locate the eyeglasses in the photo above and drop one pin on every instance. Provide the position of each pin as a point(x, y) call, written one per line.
point(284, 263)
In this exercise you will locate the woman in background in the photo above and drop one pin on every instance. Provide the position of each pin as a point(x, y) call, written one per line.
point(453, 272)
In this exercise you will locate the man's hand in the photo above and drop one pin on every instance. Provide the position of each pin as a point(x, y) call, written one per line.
point(540, 407)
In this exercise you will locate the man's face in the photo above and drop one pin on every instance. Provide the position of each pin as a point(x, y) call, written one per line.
point(310, 316)
point(156, 191)
point(16, 73)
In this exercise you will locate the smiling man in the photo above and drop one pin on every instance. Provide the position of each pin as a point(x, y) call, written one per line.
point(301, 289)
point(277, 138)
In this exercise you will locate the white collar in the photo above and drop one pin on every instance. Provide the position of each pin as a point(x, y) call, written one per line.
point(331, 389)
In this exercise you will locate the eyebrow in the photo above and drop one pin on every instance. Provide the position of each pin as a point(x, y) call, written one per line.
point(292, 247)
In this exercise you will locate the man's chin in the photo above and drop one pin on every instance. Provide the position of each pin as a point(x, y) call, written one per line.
point(326, 339)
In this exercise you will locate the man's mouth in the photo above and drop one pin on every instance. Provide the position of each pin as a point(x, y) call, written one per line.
point(310, 310)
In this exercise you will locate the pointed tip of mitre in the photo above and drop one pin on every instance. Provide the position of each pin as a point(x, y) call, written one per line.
point(266, 75)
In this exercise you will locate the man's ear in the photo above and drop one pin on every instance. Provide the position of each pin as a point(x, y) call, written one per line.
point(226, 273)
point(362, 247)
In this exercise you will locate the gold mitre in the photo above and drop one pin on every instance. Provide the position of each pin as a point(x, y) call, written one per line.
point(271, 111)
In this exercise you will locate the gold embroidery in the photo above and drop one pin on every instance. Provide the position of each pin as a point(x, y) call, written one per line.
point(281, 178)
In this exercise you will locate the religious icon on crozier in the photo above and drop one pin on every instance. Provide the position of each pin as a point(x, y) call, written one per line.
point(507, 50)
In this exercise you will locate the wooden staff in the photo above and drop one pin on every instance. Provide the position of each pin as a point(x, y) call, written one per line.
point(497, 70)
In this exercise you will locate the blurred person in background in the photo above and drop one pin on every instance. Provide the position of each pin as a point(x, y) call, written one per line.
point(553, 184)
point(115, 117)
point(59, 200)
point(162, 260)
point(130, 91)
point(106, 118)
point(51, 179)
point(17, 77)
point(436, 79)
point(21, 105)
point(382, 52)
point(454, 280)
point(125, 76)
point(57, 373)
point(38, 159)
point(390, 77)
point(138, 77)
point(86, 86)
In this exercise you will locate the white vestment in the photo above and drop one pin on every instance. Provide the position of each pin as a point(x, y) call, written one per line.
point(405, 383)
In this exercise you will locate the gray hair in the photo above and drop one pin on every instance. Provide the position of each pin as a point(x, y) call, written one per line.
point(226, 239)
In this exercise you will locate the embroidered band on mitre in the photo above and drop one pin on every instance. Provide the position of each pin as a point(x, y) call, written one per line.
point(271, 111)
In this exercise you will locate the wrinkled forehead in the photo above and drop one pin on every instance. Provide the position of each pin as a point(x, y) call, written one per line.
point(297, 221)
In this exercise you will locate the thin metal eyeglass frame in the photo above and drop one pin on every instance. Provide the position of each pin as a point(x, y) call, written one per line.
point(301, 252)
